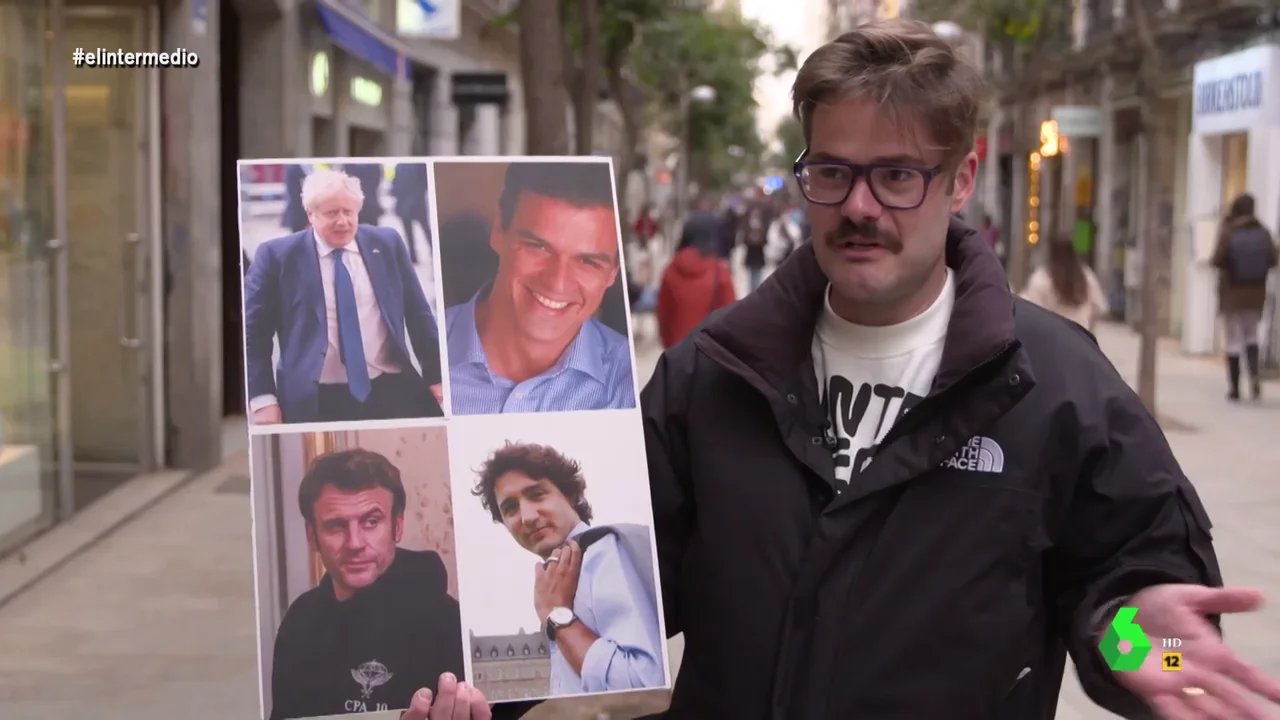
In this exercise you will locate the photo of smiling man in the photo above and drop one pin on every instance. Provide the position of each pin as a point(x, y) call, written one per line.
point(532, 274)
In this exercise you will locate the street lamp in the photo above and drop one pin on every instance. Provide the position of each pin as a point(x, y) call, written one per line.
point(700, 94)
point(949, 31)
point(703, 93)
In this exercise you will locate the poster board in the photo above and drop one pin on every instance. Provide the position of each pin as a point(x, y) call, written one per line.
point(441, 384)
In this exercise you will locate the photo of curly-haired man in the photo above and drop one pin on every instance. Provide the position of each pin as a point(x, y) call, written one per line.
point(567, 595)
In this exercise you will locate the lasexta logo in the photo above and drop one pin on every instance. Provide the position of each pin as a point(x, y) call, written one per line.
point(1124, 630)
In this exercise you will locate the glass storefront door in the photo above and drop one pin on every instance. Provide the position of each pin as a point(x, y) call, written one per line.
point(1235, 168)
point(27, 431)
point(110, 251)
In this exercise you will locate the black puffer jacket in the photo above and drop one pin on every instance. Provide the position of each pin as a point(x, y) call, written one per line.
point(997, 521)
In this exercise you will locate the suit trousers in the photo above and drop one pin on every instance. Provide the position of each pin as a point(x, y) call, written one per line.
point(393, 396)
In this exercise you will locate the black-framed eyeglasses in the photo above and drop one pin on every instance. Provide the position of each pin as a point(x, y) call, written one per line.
point(895, 187)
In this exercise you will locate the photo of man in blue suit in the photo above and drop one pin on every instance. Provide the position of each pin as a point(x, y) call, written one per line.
point(342, 310)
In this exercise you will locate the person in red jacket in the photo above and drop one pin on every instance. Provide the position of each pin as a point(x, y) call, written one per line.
point(696, 283)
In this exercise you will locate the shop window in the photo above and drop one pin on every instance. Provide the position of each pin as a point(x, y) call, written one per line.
point(1235, 167)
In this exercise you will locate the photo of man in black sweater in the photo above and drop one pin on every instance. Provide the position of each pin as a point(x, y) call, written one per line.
point(380, 624)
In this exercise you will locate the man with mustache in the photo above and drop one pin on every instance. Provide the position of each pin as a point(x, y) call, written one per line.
point(529, 341)
point(380, 624)
point(885, 487)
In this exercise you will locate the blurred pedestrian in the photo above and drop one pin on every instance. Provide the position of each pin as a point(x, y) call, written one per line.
point(1066, 285)
point(645, 226)
point(756, 221)
point(696, 283)
point(1244, 256)
point(370, 176)
point(409, 188)
point(294, 216)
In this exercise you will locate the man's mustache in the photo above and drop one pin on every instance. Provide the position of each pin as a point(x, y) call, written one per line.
point(849, 230)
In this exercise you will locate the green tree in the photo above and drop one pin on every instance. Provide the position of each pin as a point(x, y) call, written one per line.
point(593, 39)
point(691, 46)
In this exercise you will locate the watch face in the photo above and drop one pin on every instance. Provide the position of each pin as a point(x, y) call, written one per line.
point(560, 616)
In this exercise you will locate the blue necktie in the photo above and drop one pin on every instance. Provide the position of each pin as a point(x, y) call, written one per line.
point(349, 341)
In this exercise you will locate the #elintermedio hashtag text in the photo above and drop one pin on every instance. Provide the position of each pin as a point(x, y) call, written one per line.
point(101, 57)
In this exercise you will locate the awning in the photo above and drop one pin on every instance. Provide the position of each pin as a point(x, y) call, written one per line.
point(363, 38)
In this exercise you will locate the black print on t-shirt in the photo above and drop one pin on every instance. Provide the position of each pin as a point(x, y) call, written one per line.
point(849, 408)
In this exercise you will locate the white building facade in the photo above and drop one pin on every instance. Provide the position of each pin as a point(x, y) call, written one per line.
point(1235, 136)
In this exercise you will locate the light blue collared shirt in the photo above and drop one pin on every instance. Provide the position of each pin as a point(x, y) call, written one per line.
point(613, 602)
point(593, 373)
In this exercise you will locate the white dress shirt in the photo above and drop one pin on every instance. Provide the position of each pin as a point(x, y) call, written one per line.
point(373, 332)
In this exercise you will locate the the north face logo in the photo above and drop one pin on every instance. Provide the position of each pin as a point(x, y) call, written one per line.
point(980, 454)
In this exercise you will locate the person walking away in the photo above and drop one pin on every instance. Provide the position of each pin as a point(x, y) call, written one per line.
point(409, 188)
point(370, 177)
point(1244, 255)
point(294, 215)
point(755, 236)
point(696, 283)
point(1067, 286)
point(728, 226)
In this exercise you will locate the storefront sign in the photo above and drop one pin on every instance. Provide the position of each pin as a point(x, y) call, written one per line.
point(366, 91)
point(480, 89)
point(439, 19)
point(1077, 121)
point(1237, 92)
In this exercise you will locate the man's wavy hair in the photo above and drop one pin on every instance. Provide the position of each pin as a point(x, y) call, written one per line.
point(539, 462)
point(905, 67)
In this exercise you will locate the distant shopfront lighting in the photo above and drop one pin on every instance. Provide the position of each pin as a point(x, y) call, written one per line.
point(1033, 197)
point(1050, 140)
point(366, 91)
point(319, 74)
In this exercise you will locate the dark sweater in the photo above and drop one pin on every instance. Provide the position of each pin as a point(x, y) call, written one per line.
point(372, 651)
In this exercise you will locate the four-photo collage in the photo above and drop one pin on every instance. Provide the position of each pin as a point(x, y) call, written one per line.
point(447, 459)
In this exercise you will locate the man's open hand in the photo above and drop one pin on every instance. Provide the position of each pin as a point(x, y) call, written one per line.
point(1214, 683)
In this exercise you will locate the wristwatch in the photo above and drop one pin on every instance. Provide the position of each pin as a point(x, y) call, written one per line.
point(558, 618)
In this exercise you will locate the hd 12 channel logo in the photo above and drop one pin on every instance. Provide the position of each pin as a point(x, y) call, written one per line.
point(1125, 645)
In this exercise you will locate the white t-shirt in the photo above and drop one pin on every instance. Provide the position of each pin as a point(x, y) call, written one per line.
point(871, 376)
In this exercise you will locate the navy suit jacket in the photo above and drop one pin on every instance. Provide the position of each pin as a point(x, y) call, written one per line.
point(283, 299)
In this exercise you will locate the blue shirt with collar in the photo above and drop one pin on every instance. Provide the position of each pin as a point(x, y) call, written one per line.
point(613, 602)
point(593, 373)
